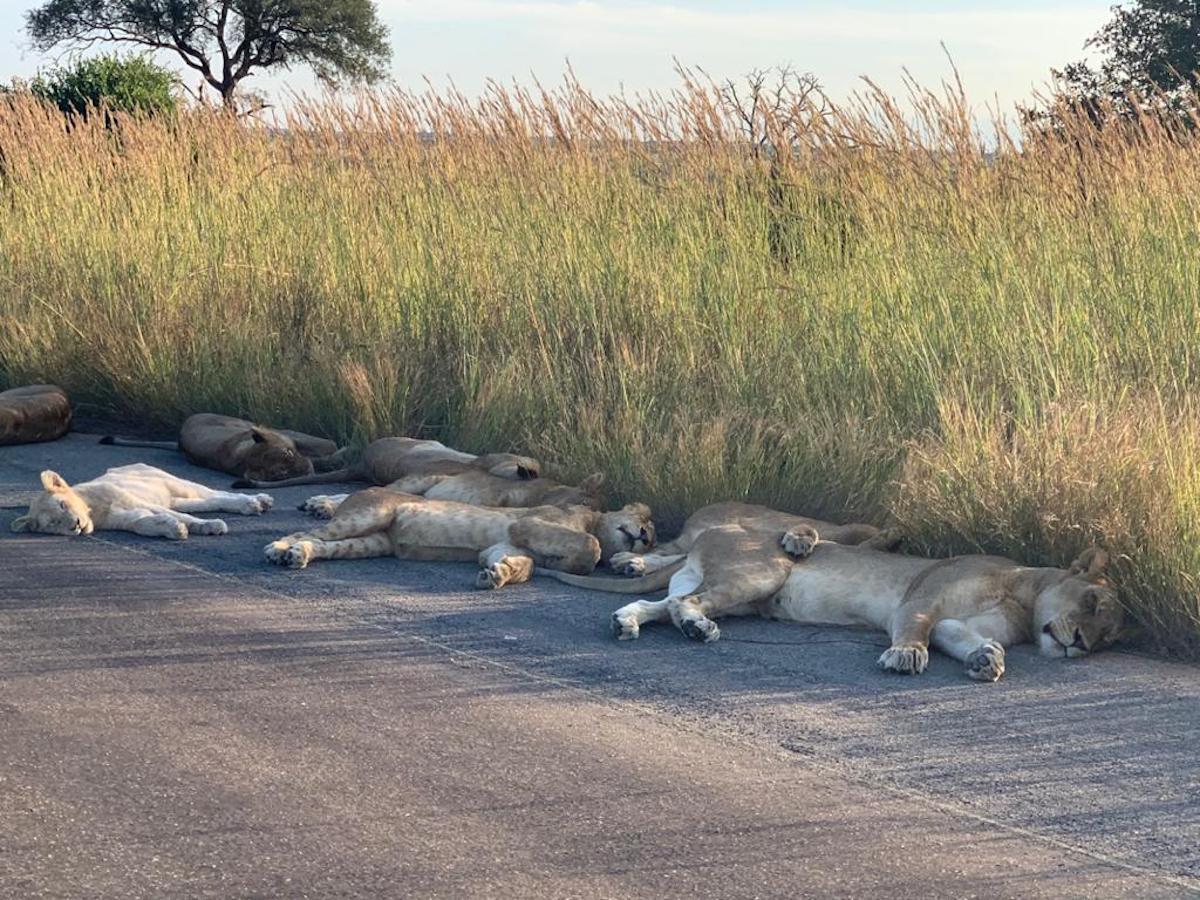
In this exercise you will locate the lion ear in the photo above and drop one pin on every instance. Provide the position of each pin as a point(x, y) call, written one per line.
point(641, 510)
point(1092, 561)
point(258, 436)
point(52, 481)
point(21, 523)
point(525, 473)
point(592, 483)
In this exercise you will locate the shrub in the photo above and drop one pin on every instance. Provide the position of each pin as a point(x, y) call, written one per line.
point(133, 84)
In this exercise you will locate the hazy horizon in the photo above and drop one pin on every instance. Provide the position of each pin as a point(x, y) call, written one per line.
point(1003, 51)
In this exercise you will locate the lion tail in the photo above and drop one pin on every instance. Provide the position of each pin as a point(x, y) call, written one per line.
point(114, 441)
point(338, 476)
point(645, 584)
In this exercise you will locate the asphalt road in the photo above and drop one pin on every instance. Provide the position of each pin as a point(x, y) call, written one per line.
point(184, 720)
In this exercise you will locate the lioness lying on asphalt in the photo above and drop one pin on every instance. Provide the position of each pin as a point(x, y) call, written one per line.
point(412, 466)
point(36, 412)
point(137, 498)
point(244, 449)
point(969, 607)
point(508, 543)
point(480, 488)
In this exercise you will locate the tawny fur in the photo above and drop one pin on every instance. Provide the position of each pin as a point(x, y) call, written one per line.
point(479, 488)
point(242, 448)
point(508, 542)
point(37, 412)
point(668, 558)
point(969, 607)
point(391, 460)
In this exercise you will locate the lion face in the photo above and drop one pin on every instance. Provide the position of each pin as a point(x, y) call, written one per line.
point(59, 510)
point(273, 457)
point(1077, 616)
point(628, 530)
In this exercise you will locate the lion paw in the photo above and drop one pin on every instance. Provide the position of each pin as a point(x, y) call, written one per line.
point(701, 629)
point(986, 663)
point(492, 577)
point(320, 506)
point(281, 553)
point(628, 564)
point(167, 526)
point(273, 552)
point(254, 505)
point(907, 659)
point(800, 541)
point(298, 556)
point(624, 628)
point(210, 526)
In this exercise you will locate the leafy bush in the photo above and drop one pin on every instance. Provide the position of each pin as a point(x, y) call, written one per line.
point(133, 84)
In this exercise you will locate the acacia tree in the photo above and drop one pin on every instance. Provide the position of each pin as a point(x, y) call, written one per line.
point(1150, 48)
point(227, 40)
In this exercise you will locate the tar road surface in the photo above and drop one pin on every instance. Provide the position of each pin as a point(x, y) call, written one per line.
point(185, 720)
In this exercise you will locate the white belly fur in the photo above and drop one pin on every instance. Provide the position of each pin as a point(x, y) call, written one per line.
point(685, 581)
point(829, 598)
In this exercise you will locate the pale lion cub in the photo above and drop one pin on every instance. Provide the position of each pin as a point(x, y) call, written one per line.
point(137, 498)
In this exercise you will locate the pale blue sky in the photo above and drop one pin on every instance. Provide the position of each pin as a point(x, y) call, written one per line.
point(1002, 48)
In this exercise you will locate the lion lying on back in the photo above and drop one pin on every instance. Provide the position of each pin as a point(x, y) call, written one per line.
point(969, 607)
point(137, 498)
point(750, 516)
point(508, 542)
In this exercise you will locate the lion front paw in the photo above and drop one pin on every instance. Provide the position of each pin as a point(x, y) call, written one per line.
point(298, 556)
point(907, 659)
point(294, 556)
point(624, 628)
point(628, 564)
point(210, 526)
point(800, 541)
point(253, 505)
point(166, 526)
point(321, 506)
point(986, 663)
point(273, 552)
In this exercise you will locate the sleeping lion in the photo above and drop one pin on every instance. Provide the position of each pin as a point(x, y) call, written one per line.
point(242, 448)
point(479, 488)
point(137, 498)
point(411, 465)
point(507, 542)
point(969, 607)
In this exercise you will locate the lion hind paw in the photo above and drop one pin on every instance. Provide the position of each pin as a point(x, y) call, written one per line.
point(800, 541)
point(906, 659)
point(986, 663)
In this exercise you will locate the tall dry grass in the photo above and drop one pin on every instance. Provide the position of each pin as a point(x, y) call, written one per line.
point(887, 318)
